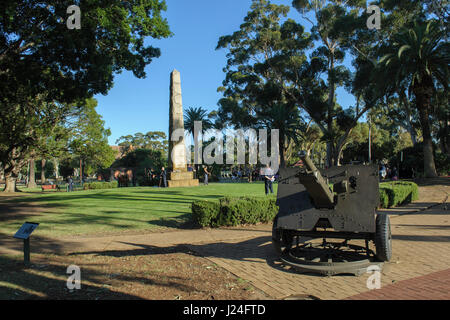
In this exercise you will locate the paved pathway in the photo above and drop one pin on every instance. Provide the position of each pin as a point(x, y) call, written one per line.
point(421, 253)
point(434, 286)
point(421, 246)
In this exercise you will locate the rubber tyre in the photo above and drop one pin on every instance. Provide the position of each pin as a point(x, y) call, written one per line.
point(383, 237)
point(281, 240)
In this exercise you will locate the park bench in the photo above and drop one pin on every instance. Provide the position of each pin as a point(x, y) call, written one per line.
point(50, 187)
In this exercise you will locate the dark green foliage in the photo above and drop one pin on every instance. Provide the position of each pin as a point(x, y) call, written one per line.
point(442, 163)
point(205, 212)
point(40, 55)
point(141, 160)
point(100, 185)
point(152, 140)
point(47, 69)
point(413, 159)
point(397, 193)
point(234, 211)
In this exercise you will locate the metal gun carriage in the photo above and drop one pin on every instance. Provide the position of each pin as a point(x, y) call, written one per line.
point(337, 203)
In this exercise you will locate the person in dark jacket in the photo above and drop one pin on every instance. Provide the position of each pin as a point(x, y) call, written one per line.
point(70, 182)
point(205, 170)
point(163, 178)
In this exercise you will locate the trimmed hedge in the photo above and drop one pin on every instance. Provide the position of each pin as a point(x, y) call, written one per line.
point(234, 211)
point(100, 185)
point(205, 213)
point(397, 192)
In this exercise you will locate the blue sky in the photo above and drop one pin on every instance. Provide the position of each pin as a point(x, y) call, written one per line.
point(141, 105)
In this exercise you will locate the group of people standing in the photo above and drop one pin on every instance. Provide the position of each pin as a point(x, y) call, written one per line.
point(386, 172)
point(163, 176)
point(266, 173)
point(156, 179)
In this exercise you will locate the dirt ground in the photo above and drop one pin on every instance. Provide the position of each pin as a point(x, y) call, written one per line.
point(155, 275)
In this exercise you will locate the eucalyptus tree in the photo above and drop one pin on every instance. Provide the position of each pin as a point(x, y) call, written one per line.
point(255, 92)
point(332, 27)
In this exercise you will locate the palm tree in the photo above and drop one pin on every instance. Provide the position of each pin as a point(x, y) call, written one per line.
point(419, 57)
point(191, 116)
point(287, 120)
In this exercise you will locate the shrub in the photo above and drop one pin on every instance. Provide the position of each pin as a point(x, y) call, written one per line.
point(100, 185)
point(246, 210)
point(397, 193)
point(234, 211)
point(205, 212)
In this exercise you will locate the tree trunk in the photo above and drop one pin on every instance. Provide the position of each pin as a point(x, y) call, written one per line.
point(11, 169)
point(423, 98)
point(81, 171)
point(11, 172)
point(331, 87)
point(43, 161)
point(329, 160)
point(10, 183)
point(56, 165)
point(337, 156)
point(32, 178)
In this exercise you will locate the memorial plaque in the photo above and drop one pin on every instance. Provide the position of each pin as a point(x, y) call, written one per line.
point(25, 230)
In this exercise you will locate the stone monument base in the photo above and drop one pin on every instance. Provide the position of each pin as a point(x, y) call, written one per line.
point(182, 179)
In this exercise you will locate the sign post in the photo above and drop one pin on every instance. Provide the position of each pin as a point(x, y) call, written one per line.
point(24, 233)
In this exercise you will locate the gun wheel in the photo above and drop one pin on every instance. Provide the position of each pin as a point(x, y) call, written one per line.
point(281, 239)
point(383, 237)
point(329, 258)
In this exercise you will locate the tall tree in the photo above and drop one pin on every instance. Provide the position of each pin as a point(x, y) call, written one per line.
point(44, 66)
point(89, 140)
point(154, 140)
point(333, 25)
point(419, 57)
point(254, 94)
point(21, 131)
point(190, 117)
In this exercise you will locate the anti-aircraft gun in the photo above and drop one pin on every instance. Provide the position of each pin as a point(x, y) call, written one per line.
point(340, 203)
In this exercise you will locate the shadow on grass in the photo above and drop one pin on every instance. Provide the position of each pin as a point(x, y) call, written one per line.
point(10, 211)
point(52, 200)
point(180, 222)
point(19, 210)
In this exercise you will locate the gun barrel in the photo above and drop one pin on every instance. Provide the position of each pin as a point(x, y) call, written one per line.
point(316, 185)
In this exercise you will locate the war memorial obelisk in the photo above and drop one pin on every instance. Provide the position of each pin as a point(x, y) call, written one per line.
point(178, 174)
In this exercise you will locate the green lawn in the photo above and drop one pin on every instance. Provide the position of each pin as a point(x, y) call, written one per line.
point(117, 210)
